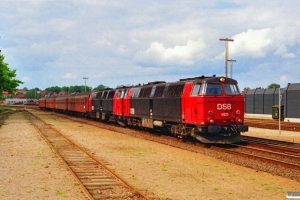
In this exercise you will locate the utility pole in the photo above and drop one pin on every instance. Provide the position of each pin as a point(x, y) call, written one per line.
point(85, 83)
point(226, 40)
point(231, 61)
point(279, 112)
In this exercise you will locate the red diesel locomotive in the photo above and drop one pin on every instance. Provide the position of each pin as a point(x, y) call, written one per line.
point(209, 109)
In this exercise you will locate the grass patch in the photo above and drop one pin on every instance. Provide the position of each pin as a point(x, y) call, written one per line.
point(41, 153)
point(4, 108)
point(203, 164)
point(164, 167)
point(61, 193)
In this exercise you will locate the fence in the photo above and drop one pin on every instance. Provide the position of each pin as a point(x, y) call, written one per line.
point(260, 101)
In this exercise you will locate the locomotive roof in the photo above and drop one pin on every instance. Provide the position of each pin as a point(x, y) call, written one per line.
point(199, 79)
point(210, 79)
point(216, 80)
point(81, 94)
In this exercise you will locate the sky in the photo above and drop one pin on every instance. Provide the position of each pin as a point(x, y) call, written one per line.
point(117, 42)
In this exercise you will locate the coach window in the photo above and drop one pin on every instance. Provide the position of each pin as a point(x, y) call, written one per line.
point(231, 89)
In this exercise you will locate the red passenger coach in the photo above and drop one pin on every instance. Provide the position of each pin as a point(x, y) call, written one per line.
point(62, 103)
point(79, 103)
point(50, 103)
point(42, 103)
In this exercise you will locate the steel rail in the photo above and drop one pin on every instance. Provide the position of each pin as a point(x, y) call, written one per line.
point(93, 158)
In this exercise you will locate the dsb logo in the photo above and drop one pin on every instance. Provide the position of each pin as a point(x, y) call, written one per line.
point(224, 106)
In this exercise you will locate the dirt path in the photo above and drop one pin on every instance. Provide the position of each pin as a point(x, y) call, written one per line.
point(166, 172)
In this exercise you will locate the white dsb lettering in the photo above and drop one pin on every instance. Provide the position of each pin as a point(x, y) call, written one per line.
point(224, 106)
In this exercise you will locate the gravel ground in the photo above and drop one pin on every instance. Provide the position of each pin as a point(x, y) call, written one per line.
point(30, 170)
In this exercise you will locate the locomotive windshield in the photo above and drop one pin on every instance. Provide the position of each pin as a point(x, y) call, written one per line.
point(231, 89)
point(207, 89)
point(215, 89)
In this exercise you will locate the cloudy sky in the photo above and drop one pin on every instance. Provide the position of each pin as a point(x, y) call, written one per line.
point(117, 42)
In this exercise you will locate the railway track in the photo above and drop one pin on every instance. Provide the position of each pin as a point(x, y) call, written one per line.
point(272, 124)
point(280, 158)
point(275, 145)
point(3, 117)
point(96, 178)
point(278, 163)
point(273, 160)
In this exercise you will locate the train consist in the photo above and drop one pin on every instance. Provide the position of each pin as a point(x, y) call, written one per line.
point(209, 109)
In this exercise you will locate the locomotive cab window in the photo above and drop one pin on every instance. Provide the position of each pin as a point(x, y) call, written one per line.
point(196, 89)
point(212, 89)
point(207, 89)
point(231, 89)
point(120, 93)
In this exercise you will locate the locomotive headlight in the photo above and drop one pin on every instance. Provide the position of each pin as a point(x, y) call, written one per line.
point(222, 79)
point(239, 120)
point(211, 120)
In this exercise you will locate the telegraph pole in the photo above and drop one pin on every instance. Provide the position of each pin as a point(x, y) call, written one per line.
point(85, 83)
point(231, 61)
point(226, 40)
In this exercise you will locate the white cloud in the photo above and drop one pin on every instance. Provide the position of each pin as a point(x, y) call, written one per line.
point(281, 50)
point(254, 43)
point(69, 76)
point(178, 55)
point(284, 79)
point(289, 55)
point(25, 78)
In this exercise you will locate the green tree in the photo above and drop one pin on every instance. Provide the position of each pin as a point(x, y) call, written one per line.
point(65, 88)
point(7, 78)
point(79, 88)
point(100, 87)
point(33, 93)
point(273, 85)
point(53, 89)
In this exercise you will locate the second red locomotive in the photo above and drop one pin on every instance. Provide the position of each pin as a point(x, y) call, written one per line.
point(209, 109)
